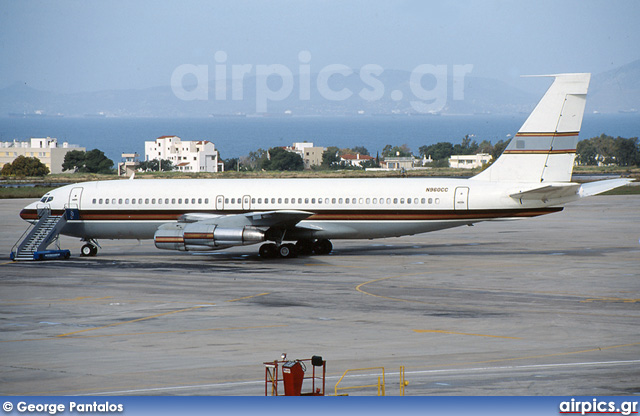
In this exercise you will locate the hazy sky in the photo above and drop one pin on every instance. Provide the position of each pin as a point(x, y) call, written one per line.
point(70, 46)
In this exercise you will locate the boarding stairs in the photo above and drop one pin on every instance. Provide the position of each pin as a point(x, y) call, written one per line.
point(40, 236)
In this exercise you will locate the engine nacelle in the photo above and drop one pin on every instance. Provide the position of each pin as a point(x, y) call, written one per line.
point(203, 237)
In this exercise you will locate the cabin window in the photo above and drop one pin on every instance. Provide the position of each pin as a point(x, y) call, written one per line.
point(160, 201)
point(173, 200)
point(374, 200)
point(319, 200)
point(106, 201)
point(326, 200)
point(259, 200)
point(415, 200)
point(206, 200)
point(333, 200)
point(100, 201)
point(133, 200)
point(273, 200)
point(253, 200)
point(199, 200)
point(93, 202)
point(186, 200)
point(408, 200)
point(339, 200)
point(361, 201)
point(146, 201)
point(306, 200)
point(423, 200)
point(346, 201)
point(126, 201)
point(299, 200)
point(179, 200)
point(437, 201)
point(233, 200)
point(286, 200)
point(430, 200)
point(120, 201)
point(279, 200)
point(313, 200)
point(140, 201)
point(226, 200)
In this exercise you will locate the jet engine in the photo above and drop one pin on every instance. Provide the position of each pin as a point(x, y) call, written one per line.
point(202, 237)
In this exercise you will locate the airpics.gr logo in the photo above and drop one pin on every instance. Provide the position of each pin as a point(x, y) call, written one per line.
point(596, 406)
point(191, 82)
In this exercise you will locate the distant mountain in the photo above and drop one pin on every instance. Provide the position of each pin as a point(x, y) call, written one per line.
point(391, 93)
point(617, 90)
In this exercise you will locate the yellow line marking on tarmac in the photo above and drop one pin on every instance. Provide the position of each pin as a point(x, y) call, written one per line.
point(437, 331)
point(9, 262)
point(135, 320)
point(248, 297)
point(359, 287)
point(623, 300)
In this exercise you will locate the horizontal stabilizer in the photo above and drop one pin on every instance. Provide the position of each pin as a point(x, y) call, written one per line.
point(595, 188)
point(547, 192)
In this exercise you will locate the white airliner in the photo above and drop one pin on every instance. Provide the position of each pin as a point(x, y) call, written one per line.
point(532, 177)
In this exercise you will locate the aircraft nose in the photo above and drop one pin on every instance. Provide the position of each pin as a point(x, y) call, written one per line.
point(29, 212)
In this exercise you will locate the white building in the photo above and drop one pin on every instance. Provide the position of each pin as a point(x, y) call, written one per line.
point(45, 149)
point(355, 160)
point(187, 156)
point(310, 154)
point(469, 161)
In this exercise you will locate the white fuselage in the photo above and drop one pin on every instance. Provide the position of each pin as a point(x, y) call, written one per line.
point(341, 208)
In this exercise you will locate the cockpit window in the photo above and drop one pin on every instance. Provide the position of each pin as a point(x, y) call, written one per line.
point(46, 198)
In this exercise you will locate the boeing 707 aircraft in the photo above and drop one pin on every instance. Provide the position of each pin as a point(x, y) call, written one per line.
point(300, 216)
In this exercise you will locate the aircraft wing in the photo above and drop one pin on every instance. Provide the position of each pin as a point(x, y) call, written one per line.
point(279, 218)
point(547, 192)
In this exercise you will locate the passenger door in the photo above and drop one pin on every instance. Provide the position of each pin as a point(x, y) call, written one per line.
point(75, 197)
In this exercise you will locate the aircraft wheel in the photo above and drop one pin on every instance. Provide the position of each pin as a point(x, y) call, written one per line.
point(304, 247)
point(287, 251)
point(322, 246)
point(88, 250)
point(268, 251)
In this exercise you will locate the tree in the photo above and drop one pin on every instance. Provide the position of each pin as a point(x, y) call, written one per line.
point(280, 159)
point(438, 151)
point(360, 150)
point(586, 153)
point(396, 151)
point(97, 162)
point(73, 160)
point(93, 161)
point(25, 166)
point(331, 157)
point(626, 151)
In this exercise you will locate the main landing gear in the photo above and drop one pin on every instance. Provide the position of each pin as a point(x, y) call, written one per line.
point(302, 247)
point(90, 249)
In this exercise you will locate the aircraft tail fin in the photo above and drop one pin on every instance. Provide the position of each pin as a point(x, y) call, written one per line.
point(544, 148)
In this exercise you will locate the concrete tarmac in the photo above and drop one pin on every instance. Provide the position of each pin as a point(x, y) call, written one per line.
point(542, 306)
